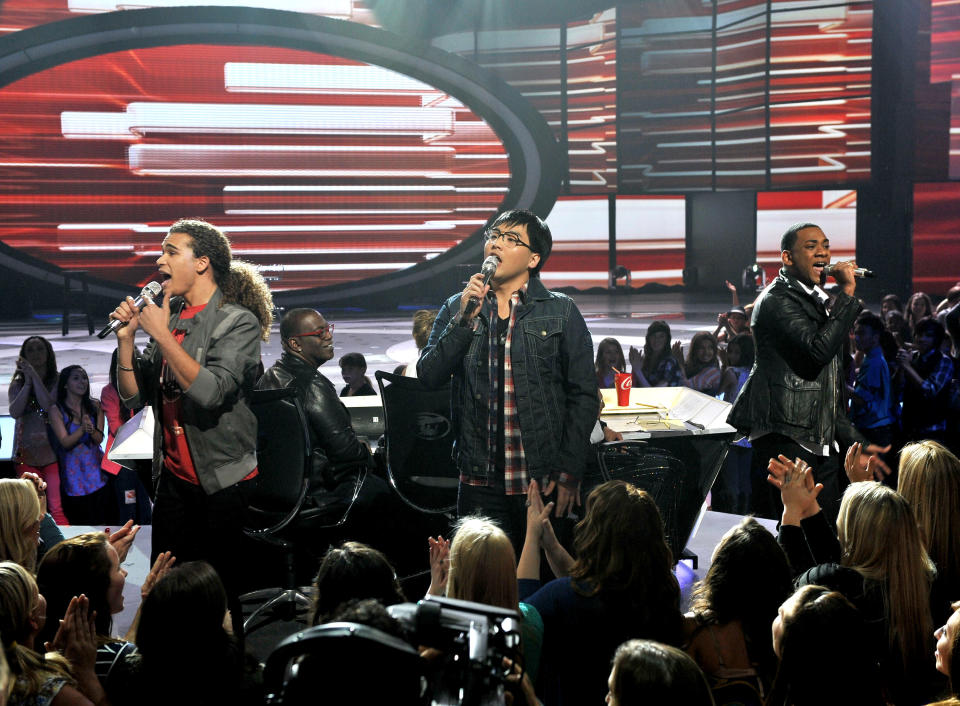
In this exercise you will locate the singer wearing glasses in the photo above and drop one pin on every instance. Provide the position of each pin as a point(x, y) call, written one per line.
point(524, 392)
point(197, 372)
point(793, 403)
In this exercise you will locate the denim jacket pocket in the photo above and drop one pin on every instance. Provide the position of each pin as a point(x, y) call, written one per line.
point(542, 336)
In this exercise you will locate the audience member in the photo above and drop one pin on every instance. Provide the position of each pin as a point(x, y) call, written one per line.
point(732, 492)
point(24, 521)
point(88, 564)
point(130, 496)
point(919, 306)
point(353, 570)
point(186, 652)
point(646, 672)
point(701, 370)
point(732, 323)
point(927, 374)
point(948, 650)
point(871, 395)
point(32, 394)
point(609, 360)
point(897, 325)
point(77, 423)
point(422, 326)
point(482, 568)
point(656, 366)
point(619, 587)
point(353, 366)
point(930, 483)
point(45, 679)
point(824, 650)
point(731, 611)
point(890, 302)
point(877, 560)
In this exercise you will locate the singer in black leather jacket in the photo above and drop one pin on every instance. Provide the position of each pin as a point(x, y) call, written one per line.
point(793, 402)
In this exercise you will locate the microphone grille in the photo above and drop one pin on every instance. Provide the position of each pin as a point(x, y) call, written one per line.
point(152, 289)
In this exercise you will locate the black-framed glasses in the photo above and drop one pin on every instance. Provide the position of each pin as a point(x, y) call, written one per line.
point(320, 332)
point(510, 240)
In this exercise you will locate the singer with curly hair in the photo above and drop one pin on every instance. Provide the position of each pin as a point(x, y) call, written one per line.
point(197, 372)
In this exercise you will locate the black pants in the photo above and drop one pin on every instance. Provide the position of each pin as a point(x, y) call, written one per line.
point(196, 526)
point(93, 509)
point(510, 514)
point(826, 470)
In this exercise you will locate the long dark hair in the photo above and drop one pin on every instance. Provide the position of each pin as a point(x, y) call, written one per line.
point(622, 554)
point(825, 657)
point(354, 570)
point(650, 361)
point(49, 373)
point(188, 601)
point(239, 281)
point(86, 403)
point(733, 589)
point(693, 364)
point(744, 341)
point(76, 565)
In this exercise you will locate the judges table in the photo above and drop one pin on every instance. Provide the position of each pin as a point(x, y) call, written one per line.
point(686, 438)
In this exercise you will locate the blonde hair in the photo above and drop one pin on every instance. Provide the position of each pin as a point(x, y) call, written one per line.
point(930, 483)
point(18, 599)
point(483, 565)
point(19, 508)
point(879, 538)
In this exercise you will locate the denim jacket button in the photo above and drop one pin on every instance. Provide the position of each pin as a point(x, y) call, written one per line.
point(477, 396)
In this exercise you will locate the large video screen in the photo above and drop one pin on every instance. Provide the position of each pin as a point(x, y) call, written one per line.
point(744, 94)
point(834, 211)
point(651, 241)
point(936, 247)
point(322, 170)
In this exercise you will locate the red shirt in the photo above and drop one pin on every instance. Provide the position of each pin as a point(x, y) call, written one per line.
point(176, 450)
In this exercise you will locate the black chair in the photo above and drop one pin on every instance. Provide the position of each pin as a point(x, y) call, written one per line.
point(281, 507)
point(340, 663)
point(418, 436)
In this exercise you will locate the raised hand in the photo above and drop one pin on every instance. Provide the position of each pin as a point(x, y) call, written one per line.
point(439, 565)
point(798, 489)
point(161, 566)
point(122, 539)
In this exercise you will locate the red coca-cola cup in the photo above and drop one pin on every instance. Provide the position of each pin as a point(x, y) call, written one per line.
point(623, 381)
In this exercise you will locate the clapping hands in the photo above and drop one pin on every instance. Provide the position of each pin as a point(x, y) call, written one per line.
point(798, 488)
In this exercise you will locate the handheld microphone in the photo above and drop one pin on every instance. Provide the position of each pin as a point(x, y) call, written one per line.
point(487, 269)
point(153, 289)
point(857, 272)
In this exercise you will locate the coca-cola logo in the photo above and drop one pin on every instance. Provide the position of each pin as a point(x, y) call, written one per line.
point(626, 382)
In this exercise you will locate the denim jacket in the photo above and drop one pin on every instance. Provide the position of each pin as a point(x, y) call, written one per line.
point(553, 375)
point(220, 427)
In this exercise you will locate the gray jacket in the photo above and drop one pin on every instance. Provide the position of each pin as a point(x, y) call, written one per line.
point(221, 429)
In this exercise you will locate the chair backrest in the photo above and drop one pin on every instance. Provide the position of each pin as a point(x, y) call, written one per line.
point(343, 663)
point(283, 449)
point(419, 439)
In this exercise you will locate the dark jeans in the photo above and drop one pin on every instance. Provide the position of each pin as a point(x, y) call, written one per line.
point(732, 489)
point(766, 498)
point(508, 511)
point(196, 526)
point(510, 514)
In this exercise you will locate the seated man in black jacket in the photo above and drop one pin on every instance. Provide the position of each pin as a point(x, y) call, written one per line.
point(338, 455)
